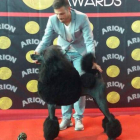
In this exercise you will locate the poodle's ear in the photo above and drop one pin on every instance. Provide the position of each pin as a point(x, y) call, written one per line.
point(37, 57)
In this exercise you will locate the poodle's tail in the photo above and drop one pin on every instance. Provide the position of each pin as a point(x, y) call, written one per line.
point(88, 79)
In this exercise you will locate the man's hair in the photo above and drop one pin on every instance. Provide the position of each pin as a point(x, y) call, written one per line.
point(59, 3)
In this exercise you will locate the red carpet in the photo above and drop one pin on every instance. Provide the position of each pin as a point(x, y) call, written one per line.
point(10, 129)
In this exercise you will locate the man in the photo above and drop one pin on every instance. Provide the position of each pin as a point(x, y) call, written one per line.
point(76, 39)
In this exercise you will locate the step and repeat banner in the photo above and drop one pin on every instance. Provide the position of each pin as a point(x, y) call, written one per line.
point(116, 28)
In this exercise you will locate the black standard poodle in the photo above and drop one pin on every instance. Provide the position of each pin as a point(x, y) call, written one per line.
point(60, 84)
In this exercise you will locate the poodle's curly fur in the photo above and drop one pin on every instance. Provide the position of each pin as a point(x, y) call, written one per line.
point(58, 79)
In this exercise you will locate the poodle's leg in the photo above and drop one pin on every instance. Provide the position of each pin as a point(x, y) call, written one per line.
point(51, 125)
point(98, 94)
point(111, 125)
point(51, 109)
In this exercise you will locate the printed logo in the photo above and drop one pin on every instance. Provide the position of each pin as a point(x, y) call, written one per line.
point(113, 71)
point(8, 58)
point(115, 84)
point(136, 26)
point(95, 3)
point(136, 54)
point(32, 86)
point(32, 27)
point(133, 97)
point(7, 27)
point(133, 69)
point(113, 97)
point(5, 42)
point(33, 100)
point(113, 42)
point(38, 4)
point(28, 56)
point(5, 73)
point(5, 103)
point(8, 87)
point(113, 28)
point(30, 71)
point(133, 41)
point(29, 42)
point(136, 82)
point(113, 56)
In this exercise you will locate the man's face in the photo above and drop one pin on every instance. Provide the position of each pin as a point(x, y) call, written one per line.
point(63, 14)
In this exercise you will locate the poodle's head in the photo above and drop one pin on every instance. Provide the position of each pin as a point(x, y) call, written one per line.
point(49, 53)
point(52, 61)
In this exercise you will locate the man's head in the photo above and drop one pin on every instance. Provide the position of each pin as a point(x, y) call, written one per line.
point(60, 3)
point(62, 10)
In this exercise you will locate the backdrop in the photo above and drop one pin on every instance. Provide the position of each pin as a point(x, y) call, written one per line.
point(116, 29)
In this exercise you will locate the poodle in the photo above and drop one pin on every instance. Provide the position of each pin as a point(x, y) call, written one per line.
point(60, 84)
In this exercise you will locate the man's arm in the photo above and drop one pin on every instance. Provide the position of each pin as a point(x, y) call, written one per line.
point(88, 40)
point(88, 35)
point(47, 38)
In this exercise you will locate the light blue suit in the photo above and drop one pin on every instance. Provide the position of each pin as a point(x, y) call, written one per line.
point(80, 30)
point(82, 42)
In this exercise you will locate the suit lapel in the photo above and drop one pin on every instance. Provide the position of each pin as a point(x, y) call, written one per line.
point(62, 30)
point(73, 19)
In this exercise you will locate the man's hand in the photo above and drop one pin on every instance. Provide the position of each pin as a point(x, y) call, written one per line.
point(36, 61)
point(96, 66)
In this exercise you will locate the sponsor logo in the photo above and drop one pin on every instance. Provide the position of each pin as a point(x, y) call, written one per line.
point(8, 87)
point(5, 73)
point(8, 58)
point(30, 71)
point(136, 54)
point(7, 27)
point(136, 26)
point(113, 28)
point(133, 41)
point(136, 82)
point(32, 86)
point(113, 71)
point(29, 42)
point(113, 56)
point(28, 56)
point(33, 100)
point(5, 42)
point(115, 84)
point(113, 97)
point(133, 69)
point(113, 42)
point(32, 27)
point(38, 4)
point(133, 97)
point(5, 103)
point(95, 3)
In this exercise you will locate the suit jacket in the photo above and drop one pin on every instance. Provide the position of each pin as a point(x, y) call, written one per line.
point(82, 36)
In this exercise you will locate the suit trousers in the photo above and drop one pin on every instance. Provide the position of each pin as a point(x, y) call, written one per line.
point(79, 106)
